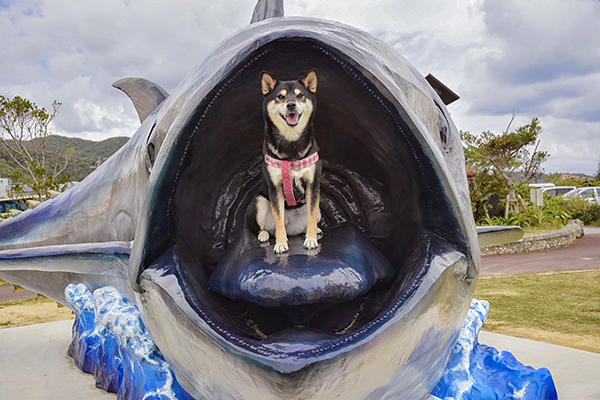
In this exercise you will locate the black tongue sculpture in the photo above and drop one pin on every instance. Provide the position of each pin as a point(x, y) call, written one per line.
point(347, 265)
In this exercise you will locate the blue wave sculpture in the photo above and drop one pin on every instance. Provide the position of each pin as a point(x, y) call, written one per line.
point(479, 372)
point(111, 342)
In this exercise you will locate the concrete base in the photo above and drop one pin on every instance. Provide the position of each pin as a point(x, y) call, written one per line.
point(34, 365)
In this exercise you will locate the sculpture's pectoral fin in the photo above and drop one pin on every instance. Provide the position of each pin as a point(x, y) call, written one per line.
point(145, 95)
point(49, 269)
point(266, 9)
point(497, 235)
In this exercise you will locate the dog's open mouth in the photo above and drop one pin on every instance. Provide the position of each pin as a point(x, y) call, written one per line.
point(291, 119)
point(386, 216)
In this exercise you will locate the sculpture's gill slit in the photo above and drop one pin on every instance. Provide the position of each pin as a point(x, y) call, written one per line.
point(377, 183)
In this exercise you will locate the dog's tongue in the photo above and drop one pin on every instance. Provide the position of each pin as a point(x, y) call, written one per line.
point(292, 119)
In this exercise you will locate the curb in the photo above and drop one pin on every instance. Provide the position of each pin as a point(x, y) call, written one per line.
point(541, 241)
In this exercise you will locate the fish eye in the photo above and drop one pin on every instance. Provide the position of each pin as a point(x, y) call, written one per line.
point(150, 150)
point(445, 138)
point(151, 156)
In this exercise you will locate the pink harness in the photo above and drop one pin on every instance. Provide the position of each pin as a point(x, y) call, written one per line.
point(285, 166)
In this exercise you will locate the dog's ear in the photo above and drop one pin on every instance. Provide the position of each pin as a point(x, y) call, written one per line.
point(310, 81)
point(267, 83)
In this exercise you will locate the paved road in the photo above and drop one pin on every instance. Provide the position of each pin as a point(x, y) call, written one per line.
point(582, 255)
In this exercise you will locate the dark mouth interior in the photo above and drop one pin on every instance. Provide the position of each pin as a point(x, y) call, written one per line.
point(287, 116)
point(376, 179)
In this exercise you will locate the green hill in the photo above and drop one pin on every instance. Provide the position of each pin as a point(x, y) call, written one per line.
point(86, 155)
point(87, 148)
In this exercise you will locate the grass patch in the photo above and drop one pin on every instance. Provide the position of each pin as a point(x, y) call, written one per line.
point(25, 302)
point(15, 313)
point(560, 308)
point(534, 230)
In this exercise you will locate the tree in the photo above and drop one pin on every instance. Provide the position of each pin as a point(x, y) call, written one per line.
point(597, 177)
point(485, 187)
point(510, 155)
point(23, 137)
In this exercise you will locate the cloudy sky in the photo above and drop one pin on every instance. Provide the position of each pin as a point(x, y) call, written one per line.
point(536, 58)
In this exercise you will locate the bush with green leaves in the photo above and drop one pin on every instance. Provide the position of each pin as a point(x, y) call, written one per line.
point(485, 186)
point(581, 209)
point(557, 212)
point(552, 214)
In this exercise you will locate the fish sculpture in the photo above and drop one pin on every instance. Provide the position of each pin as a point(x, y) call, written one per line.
point(372, 314)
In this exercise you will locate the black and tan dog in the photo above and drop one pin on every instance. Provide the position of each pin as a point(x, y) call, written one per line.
point(288, 199)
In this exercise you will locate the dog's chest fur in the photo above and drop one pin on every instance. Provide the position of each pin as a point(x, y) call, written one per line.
point(282, 148)
point(300, 178)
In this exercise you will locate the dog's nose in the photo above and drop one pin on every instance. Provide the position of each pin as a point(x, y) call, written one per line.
point(291, 106)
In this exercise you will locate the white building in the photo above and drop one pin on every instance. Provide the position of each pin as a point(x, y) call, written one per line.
point(3, 188)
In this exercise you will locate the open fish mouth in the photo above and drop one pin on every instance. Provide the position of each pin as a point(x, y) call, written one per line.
point(389, 227)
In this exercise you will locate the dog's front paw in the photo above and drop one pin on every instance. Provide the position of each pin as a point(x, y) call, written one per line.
point(263, 236)
point(280, 248)
point(310, 243)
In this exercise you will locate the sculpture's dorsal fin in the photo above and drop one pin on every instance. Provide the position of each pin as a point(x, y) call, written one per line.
point(497, 235)
point(447, 95)
point(144, 94)
point(266, 9)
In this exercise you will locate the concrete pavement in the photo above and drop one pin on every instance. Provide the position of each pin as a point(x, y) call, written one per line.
point(588, 230)
point(34, 365)
point(582, 255)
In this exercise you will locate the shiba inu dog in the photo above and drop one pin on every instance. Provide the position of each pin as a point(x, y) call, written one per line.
point(288, 199)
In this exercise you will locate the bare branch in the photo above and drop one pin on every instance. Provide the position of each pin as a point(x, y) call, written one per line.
point(67, 154)
point(512, 118)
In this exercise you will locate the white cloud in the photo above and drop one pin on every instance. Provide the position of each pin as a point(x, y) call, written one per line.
point(538, 58)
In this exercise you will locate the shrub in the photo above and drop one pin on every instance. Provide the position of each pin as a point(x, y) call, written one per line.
point(581, 209)
point(485, 186)
point(494, 221)
point(556, 212)
point(553, 214)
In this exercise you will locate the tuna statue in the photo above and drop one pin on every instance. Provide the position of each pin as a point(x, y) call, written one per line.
point(374, 313)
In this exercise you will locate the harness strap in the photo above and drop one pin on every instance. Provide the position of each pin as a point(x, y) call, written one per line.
point(288, 190)
point(285, 165)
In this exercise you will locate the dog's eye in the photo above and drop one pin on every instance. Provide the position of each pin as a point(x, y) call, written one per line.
point(300, 95)
point(280, 97)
